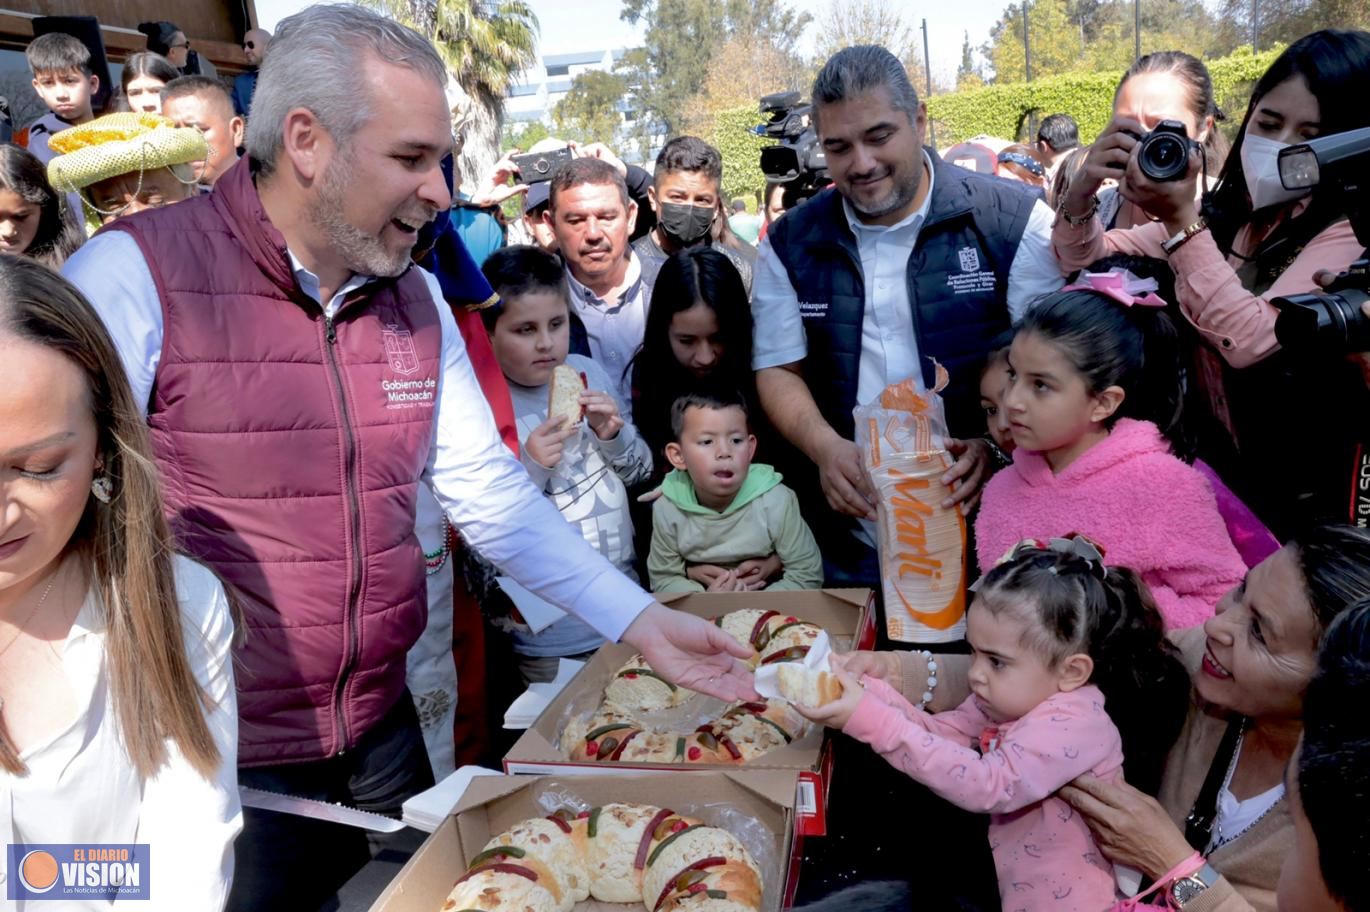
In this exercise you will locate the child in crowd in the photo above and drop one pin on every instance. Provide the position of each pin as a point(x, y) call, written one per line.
point(993, 383)
point(63, 78)
point(34, 220)
point(582, 468)
point(1094, 405)
point(1071, 671)
point(718, 510)
point(698, 338)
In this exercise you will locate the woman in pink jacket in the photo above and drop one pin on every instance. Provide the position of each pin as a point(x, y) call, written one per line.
point(1071, 672)
point(1093, 404)
point(1244, 244)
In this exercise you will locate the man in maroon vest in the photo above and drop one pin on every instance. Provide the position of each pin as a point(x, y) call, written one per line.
point(300, 381)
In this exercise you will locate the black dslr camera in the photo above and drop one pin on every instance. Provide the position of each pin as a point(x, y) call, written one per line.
point(798, 160)
point(1330, 321)
point(1164, 152)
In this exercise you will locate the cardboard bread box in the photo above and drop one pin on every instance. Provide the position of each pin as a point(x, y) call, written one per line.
point(847, 614)
point(754, 806)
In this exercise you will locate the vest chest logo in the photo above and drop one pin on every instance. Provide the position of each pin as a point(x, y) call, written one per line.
point(813, 310)
point(399, 349)
point(971, 279)
point(403, 359)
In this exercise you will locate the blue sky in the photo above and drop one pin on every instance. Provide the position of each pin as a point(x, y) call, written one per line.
point(580, 25)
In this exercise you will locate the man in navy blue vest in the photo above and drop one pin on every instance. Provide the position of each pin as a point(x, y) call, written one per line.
point(903, 261)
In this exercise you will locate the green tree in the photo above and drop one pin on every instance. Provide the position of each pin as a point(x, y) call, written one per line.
point(589, 112)
point(1285, 21)
point(968, 73)
point(485, 44)
point(683, 38)
point(522, 136)
point(1054, 40)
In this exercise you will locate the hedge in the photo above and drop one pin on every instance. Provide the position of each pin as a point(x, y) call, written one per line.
point(1000, 110)
point(735, 139)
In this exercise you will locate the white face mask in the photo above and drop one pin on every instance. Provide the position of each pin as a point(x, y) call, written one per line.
point(1261, 167)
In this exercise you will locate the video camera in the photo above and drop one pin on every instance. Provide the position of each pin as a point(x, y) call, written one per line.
point(798, 160)
point(1330, 321)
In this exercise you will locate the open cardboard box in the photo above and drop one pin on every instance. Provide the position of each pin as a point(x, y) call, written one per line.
point(491, 806)
point(847, 614)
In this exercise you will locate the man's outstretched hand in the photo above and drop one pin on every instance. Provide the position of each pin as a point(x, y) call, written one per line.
point(691, 652)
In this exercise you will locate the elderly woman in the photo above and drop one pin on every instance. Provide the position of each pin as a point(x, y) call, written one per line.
point(1222, 793)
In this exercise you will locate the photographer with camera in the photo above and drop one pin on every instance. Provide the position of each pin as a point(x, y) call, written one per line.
point(1250, 241)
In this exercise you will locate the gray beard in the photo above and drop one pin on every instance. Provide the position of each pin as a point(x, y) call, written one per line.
point(363, 253)
point(900, 197)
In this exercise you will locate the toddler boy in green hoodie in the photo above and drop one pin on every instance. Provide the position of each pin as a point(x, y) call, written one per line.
point(718, 509)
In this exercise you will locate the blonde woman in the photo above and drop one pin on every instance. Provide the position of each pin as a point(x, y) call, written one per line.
point(118, 720)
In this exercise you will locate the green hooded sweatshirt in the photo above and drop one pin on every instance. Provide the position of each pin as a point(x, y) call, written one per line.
point(763, 519)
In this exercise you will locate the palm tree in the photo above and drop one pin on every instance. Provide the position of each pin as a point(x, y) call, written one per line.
point(485, 44)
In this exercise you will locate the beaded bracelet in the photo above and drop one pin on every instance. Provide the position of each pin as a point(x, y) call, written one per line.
point(926, 699)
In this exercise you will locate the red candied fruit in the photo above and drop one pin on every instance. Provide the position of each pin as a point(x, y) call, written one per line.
point(791, 620)
point(592, 748)
point(583, 815)
point(678, 826)
point(695, 753)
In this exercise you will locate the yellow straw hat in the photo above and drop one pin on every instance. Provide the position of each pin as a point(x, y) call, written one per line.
point(118, 144)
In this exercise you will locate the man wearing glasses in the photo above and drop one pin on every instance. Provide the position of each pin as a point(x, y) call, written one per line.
point(254, 47)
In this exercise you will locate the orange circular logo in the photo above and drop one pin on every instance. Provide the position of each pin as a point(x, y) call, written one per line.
point(38, 871)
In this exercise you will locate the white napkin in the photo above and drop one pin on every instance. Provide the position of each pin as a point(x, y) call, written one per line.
point(768, 676)
point(537, 612)
point(427, 810)
point(524, 711)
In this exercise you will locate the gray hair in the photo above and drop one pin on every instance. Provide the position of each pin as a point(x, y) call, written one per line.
point(316, 62)
point(857, 70)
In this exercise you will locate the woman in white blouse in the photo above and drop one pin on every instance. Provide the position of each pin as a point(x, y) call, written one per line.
point(118, 720)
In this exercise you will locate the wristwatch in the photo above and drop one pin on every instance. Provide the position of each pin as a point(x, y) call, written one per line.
point(1186, 889)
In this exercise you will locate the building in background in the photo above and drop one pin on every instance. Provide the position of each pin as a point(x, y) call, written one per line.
point(535, 96)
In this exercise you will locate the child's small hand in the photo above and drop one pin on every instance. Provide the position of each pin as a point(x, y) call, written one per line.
point(547, 441)
point(705, 574)
point(601, 412)
point(756, 573)
point(728, 582)
point(837, 713)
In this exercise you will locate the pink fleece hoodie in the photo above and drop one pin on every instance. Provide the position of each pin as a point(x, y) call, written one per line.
point(1147, 509)
point(1044, 854)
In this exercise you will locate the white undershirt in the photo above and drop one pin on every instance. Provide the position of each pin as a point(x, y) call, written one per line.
point(1236, 817)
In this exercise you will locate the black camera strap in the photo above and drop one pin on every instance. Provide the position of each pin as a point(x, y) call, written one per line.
point(1198, 826)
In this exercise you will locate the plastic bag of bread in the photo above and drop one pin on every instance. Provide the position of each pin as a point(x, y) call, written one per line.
point(902, 439)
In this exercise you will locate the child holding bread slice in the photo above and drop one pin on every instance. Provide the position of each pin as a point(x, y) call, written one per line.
point(584, 453)
point(1071, 672)
point(719, 509)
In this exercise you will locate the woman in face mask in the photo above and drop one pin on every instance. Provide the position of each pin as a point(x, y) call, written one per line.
point(1236, 249)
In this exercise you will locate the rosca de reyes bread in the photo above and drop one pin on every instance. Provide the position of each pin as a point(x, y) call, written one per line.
point(563, 394)
point(625, 853)
point(744, 731)
point(922, 545)
point(808, 686)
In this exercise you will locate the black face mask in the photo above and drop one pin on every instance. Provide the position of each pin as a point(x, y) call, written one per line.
point(686, 225)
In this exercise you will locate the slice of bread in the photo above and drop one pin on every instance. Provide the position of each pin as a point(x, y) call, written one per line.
point(807, 686)
point(563, 394)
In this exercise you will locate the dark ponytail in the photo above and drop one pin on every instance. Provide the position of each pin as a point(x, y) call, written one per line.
point(1135, 348)
point(1109, 615)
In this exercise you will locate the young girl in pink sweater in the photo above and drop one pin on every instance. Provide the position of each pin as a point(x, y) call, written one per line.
point(1060, 645)
point(1093, 404)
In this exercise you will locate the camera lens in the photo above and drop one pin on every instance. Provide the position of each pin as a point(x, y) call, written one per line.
point(542, 166)
point(1164, 156)
point(1319, 323)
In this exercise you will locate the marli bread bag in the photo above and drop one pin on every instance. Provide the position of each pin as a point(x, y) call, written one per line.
point(902, 439)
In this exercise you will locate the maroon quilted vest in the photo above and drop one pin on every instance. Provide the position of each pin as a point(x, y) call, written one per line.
point(290, 447)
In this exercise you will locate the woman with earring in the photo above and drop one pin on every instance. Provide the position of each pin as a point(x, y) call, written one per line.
point(118, 717)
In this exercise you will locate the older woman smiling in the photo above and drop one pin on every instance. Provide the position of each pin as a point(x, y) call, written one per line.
point(1222, 793)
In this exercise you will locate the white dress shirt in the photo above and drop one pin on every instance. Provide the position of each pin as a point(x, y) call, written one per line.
point(889, 348)
point(82, 788)
point(485, 491)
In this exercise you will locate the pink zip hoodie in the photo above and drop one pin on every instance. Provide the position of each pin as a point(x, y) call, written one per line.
point(1044, 854)
point(1147, 509)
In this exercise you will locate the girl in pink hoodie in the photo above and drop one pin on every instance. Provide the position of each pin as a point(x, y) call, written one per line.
point(1071, 672)
point(1093, 404)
